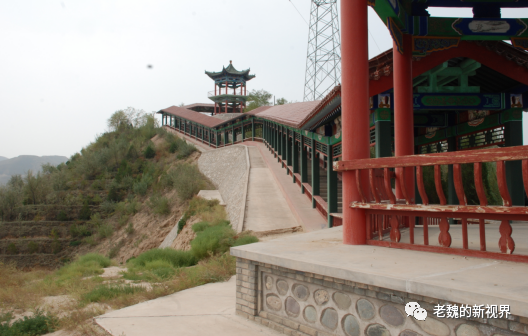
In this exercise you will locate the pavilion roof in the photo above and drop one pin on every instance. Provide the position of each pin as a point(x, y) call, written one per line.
point(230, 70)
point(289, 114)
point(190, 106)
point(190, 115)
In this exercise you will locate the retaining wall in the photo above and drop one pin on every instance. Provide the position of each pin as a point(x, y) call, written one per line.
point(228, 169)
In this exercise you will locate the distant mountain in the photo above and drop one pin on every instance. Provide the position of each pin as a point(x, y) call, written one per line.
point(21, 164)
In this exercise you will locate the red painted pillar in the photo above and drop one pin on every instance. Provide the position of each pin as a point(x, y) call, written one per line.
point(403, 111)
point(226, 105)
point(215, 102)
point(355, 110)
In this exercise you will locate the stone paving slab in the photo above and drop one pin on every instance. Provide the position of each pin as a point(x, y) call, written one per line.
point(448, 277)
point(203, 310)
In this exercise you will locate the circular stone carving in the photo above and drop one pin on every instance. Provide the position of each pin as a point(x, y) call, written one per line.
point(467, 330)
point(433, 326)
point(269, 282)
point(301, 292)
point(310, 314)
point(365, 309)
point(350, 325)
point(392, 315)
point(321, 297)
point(273, 302)
point(282, 287)
point(342, 300)
point(377, 330)
point(292, 307)
point(329, 318)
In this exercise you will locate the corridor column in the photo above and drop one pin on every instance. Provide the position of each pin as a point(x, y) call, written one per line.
point(403, 111)
point(355, 108)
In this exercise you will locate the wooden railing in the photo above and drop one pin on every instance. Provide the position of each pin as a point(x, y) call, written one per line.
point(397, 214)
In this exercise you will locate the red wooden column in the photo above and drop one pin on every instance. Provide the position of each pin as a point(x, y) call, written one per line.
point(403, 111)
point(355, 107)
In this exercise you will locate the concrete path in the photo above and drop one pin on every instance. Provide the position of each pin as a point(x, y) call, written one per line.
point(203, 310)
point(301, 207)
point(266, 207)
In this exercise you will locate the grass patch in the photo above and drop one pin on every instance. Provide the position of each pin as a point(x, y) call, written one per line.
point(107, 292)
point(87, 265)
point(244, 240)
point(213, 240)
point(38, 324)
point(199, 227)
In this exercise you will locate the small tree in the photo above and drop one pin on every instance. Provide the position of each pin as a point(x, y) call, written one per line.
point(149, 152)
point(282, 101)
point(117, 120)
point(257, 99)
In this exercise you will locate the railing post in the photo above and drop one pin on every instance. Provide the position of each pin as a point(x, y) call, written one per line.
point(513, 136)
point(295, 156)
point(304, 163)
point(331, 185)
point(315, 173)
point(242, 129)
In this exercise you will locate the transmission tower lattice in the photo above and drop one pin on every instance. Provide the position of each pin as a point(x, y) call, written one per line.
point(323, 62)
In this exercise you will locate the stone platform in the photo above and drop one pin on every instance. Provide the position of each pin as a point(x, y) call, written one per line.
point(312, 284)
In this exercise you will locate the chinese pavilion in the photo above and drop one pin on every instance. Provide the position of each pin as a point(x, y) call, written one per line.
point(226, 83)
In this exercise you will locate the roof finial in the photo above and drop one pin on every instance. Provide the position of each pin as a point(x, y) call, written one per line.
point(230, 62)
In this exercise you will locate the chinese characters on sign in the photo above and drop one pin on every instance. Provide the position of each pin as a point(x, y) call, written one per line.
point(477, 311)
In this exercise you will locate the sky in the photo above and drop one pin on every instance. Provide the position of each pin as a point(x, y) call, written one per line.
point(67, 65)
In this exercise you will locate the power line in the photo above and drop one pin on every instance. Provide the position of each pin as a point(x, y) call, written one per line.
point(299, 13)
point(376, 43)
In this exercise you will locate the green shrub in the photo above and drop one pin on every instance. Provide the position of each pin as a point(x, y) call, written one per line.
point(114, 195)
point(61, 216)
point(185, 150)
point(129, 229)
point(244, 240)
point(74, 243)
point(213, 240)
point(108, 292)
point(38, 324)
point(141, 187)
point(173, 147)
point(105, 231)
point(96, 220)
point(32, 247)
point(176, 258)
point(85, 212)
point(90, 241)
point(123, 220)
point(199, 227)
point(98, 185)
point(160, 205)
point(107, 207)
point(182, 222)
point(12, 249)
point(80, 231)
point(187, 180)
point(149, 152)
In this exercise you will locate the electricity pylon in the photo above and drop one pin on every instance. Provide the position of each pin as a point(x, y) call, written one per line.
point(323, 62)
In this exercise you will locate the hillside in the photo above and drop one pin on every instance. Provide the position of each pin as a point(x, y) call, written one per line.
point(119, 196)
point(21, 164)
